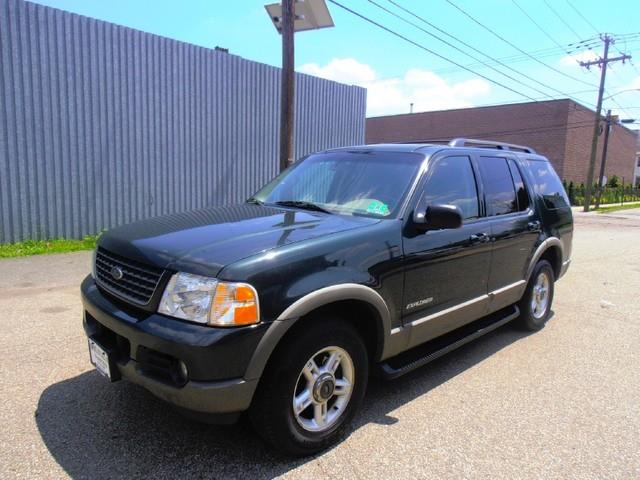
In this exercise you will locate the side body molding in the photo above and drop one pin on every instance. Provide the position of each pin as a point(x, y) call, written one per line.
point(308, 303)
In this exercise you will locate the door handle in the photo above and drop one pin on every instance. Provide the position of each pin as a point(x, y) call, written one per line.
point(479, 238)
point(533, 226)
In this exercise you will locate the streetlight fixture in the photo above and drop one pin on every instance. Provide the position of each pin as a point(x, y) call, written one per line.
point(289, 17)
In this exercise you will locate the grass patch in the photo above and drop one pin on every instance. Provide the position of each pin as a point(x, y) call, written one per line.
point(39, 247)
point(615, 208)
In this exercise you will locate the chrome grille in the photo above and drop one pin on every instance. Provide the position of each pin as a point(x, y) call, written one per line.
point(133, 281)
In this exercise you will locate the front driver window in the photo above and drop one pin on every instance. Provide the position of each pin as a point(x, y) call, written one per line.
point(451, 181)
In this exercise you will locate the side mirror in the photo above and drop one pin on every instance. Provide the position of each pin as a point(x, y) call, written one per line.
point(437, 217)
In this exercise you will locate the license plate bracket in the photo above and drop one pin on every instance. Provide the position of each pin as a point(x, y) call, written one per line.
point(102, 359)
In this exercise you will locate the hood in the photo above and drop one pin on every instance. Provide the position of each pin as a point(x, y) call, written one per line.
point(204, 241)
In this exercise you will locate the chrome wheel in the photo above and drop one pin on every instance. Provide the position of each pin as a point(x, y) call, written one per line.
point(323, 389)
point(540, 295)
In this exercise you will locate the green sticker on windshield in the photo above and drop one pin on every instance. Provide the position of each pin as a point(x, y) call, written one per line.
point(378, 208)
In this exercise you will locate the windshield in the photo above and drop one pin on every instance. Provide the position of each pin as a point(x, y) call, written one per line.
point(354, 183)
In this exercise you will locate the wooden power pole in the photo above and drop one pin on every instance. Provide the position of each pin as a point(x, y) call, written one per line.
point(287, 87)
point(602, 63)
point(603, 161)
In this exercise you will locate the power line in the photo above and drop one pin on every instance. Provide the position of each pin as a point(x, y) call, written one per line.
point(630, 61)
point(422, 47)
point(536, 23)
point(542, 29)
point(455, 47)
point(422, 19)
point(583, 17)
point(471, 47)
point(566, 24)
point(575, 47)
point(510, 59)
point(620, 107)
point(472, 18)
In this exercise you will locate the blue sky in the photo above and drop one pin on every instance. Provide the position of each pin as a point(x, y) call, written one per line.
point(397, 73)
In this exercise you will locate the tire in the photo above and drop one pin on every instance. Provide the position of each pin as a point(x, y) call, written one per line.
point(535, 305)
point(287, 376)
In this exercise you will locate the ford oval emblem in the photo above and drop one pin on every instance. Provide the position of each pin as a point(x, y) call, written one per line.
point(117, 273)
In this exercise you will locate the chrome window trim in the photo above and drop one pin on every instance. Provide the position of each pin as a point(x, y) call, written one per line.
point(424, 167)
point(429, 159)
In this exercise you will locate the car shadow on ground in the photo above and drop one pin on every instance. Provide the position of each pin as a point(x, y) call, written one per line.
point(98, 430)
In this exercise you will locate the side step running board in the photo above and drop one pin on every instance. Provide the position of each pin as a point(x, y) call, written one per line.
point(433, 349)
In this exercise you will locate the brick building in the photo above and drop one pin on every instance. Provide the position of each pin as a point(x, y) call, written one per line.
point(559, 129)
point(637, 181)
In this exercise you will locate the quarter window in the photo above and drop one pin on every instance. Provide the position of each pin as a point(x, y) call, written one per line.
point(451, 182)
point(500, 193)
point(548, 185)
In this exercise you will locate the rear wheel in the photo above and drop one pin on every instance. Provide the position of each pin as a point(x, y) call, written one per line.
point(535, 305)
point(311, 388)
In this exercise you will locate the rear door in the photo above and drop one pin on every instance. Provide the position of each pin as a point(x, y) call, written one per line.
point(446, 271)
point(515, 227)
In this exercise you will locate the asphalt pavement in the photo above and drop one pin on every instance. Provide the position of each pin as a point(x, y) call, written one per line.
point(560, 403)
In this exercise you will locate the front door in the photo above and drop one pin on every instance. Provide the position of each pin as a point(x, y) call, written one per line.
point(446, 271)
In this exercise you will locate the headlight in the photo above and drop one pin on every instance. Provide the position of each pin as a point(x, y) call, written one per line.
point(209, 301)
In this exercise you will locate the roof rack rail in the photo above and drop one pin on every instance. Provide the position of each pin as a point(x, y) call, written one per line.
point(465, 142)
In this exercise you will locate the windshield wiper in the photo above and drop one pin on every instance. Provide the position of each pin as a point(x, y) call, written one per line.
point(302, 204)
point(254, 201)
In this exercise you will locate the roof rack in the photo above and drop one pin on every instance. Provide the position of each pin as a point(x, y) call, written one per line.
point(466, 142)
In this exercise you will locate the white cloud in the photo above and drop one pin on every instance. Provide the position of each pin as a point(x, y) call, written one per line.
point(574, 60)
point(633, 85)
point(426, 90)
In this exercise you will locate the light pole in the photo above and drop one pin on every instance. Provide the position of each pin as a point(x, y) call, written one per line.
point(289, 17)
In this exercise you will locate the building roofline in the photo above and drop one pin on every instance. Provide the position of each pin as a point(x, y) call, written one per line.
point(475, 108)
point(505, 105)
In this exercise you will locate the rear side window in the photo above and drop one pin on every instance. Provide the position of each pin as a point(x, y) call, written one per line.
point(521, 192)
point(548, 185)
point(500, 193)
point(451, 182)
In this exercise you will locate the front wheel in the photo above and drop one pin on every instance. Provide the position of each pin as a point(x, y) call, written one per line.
point(311, 388)
point(535, 305)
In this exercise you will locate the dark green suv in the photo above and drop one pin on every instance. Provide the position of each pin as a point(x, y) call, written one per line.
point(372, 258)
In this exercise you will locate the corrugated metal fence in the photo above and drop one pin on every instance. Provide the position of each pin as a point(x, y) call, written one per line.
point(102, 125)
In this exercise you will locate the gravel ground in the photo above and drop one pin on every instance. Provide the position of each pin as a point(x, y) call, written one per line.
point(561, 403)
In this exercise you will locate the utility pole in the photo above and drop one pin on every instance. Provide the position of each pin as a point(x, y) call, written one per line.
point(602, 63)
point(604, 158)
point(287, 85)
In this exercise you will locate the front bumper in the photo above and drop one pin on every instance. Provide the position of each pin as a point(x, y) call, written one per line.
point(144, 347)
